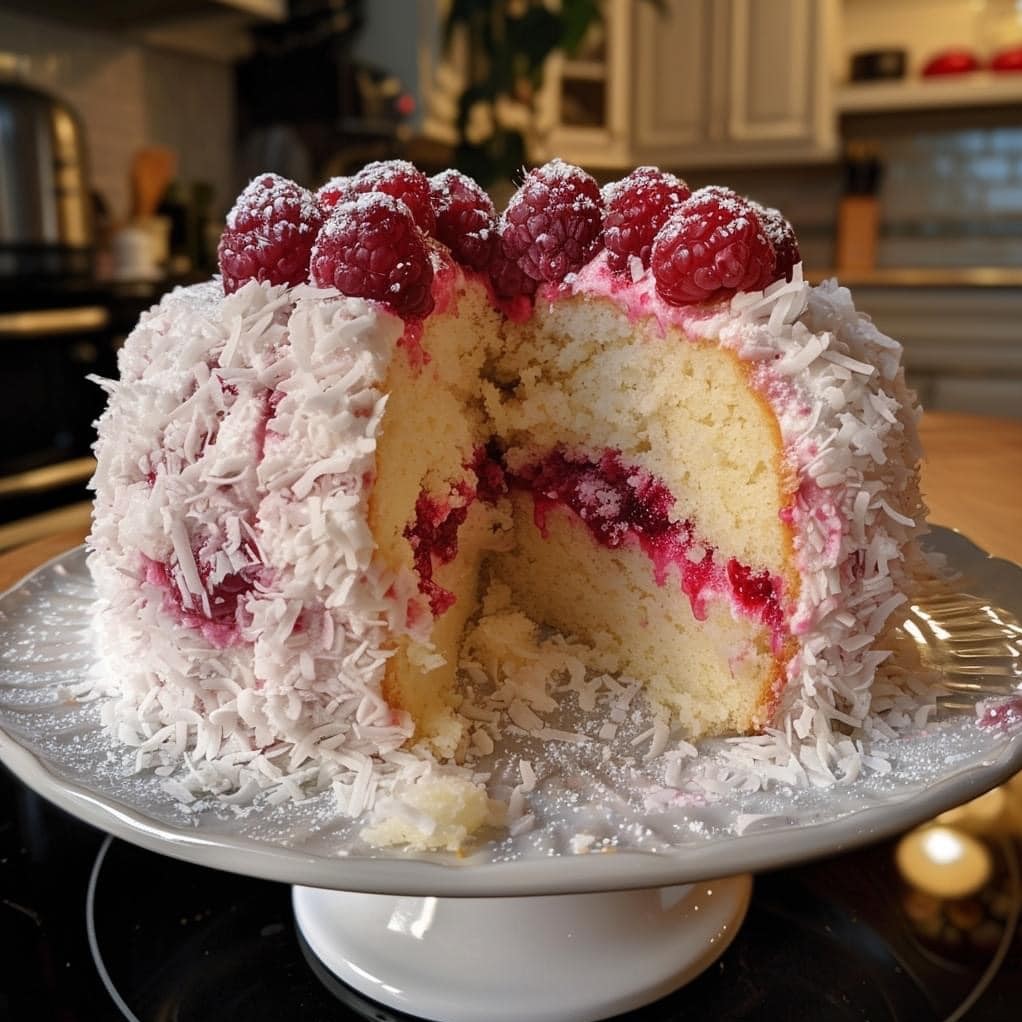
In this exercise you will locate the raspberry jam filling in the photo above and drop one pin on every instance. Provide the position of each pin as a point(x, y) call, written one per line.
point(270, 400)
point(491, 478)
point(433, 537)
point(433, 534)
point(622, 504)
point(220, 627)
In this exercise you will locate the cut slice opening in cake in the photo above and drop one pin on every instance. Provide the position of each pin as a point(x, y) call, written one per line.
point(646, 477)
point(597, 555)
point(626, 486)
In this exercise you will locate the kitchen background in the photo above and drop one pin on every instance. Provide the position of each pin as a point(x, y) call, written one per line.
point(889, 131)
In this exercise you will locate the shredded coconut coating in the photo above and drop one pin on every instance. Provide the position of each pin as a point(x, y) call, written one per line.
point(849, 428)
point(241, 438)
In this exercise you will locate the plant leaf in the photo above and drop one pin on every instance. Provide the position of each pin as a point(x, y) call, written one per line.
point(577, 15)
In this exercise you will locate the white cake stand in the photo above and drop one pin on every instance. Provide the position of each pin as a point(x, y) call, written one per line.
point(519, 929)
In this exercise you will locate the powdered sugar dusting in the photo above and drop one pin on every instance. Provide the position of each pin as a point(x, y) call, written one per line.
point(270, 196)
point(350, 214)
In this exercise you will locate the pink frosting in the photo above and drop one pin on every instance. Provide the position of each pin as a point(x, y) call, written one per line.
point(638, 299)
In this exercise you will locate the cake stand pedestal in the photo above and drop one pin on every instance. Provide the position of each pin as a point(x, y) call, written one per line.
point(556, 958)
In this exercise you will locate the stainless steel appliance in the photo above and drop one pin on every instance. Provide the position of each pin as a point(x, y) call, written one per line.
point(54, 334)
point(45, 201)
point(49, 342)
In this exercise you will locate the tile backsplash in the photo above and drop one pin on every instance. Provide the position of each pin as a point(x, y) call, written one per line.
point(129, 95)
point(952, 198)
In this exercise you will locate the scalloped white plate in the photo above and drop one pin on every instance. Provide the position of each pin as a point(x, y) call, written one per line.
point(56, 746)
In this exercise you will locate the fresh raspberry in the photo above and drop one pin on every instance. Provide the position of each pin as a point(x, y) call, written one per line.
point(507, 277)
point(712, 246)
point(636, 208)
point(335, 190)
point(553, 223)
point(371, 248)
point(269, 234)
point(782, 236)
point(465, 218)
point(404, 181)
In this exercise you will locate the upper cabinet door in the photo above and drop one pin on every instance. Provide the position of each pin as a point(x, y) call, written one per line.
point(583, 109)
point(779, 79)
point(687, 83)
point(732, 81)
point(676, 103)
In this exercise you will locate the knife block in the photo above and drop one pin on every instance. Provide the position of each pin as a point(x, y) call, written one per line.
point(858, 228)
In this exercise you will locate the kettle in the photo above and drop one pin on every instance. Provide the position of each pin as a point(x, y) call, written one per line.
point(46, 224)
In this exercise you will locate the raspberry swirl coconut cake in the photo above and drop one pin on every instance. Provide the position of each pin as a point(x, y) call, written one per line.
point(623, 411)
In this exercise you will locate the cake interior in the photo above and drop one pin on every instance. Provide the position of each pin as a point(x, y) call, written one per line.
point(643, 477)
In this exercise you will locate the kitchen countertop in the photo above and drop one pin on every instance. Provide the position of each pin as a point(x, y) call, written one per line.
point(924, 276)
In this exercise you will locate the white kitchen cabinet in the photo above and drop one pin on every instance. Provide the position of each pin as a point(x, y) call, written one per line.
point(779, 91)
point(703, 82)
point(678, 104)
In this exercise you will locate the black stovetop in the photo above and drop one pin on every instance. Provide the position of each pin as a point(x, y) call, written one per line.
point(164, 941)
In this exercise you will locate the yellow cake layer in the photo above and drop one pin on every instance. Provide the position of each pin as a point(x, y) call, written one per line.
point(581, 374)
point(432, 426)
point(713, 675)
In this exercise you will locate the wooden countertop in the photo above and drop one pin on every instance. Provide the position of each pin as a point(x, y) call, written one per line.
point(972, 480)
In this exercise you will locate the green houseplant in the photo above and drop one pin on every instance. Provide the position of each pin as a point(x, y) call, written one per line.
point(508, 43)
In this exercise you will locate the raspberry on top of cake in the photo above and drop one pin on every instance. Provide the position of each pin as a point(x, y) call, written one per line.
point(622, 410)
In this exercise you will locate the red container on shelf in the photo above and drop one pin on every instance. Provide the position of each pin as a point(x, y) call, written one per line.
point(1007, 60)
point(951, 62)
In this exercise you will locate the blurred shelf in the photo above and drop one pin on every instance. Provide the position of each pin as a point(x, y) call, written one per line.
point(974, 89)
point(215, 30)
point(925, 276)
point(117, 15)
